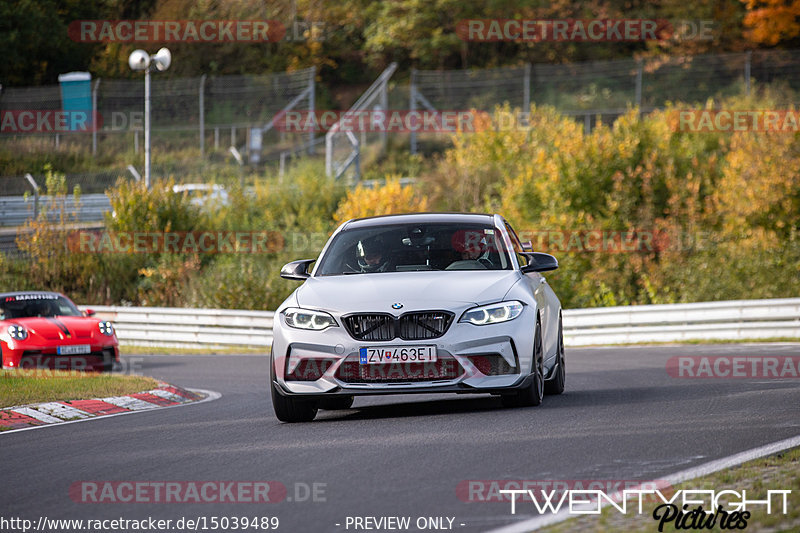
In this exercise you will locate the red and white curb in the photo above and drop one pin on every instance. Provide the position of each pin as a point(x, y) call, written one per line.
point(39, 415)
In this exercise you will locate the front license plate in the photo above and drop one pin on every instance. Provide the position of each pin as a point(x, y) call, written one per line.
point(377, 355)
point(74, 349)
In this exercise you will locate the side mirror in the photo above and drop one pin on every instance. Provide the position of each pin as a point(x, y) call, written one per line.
point(539, 262)
point(297, 270)
point(89, 312)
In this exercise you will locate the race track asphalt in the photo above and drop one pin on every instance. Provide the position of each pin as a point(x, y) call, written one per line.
point(622, 417)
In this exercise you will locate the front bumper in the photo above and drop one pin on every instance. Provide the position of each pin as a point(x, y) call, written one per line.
point(459, 346)
point(19, 355)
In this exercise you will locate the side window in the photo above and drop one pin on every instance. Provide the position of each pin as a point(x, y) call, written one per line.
point(518, 249)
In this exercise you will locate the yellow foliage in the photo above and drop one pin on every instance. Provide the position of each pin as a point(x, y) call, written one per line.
point(390, 198)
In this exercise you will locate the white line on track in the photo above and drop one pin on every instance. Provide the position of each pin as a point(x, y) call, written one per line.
point(535, 523)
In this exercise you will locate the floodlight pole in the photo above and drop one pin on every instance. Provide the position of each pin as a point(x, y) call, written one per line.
point(141, 60)
point(147, 127)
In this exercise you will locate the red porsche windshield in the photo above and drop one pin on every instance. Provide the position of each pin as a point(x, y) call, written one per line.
point(36, 305)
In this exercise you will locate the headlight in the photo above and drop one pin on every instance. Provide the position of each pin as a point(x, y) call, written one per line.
point(106, 328)
point(308, 319)
point(18, 332)
point(493, 313)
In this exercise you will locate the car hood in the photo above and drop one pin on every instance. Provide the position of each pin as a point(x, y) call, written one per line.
point(57, 328)
point(414, 290)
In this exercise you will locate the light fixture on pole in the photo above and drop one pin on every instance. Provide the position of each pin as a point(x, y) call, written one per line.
point(141, 60)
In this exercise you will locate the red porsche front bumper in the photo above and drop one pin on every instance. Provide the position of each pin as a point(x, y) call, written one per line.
point(98, 358)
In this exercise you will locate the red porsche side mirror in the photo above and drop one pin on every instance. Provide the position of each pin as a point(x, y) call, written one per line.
point(89, 312)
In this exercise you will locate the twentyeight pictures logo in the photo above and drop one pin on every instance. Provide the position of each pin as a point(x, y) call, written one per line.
point(175, 31)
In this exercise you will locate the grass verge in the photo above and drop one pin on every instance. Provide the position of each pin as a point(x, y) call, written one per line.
point(132, 349)
point(775, 472)
point(20, 387)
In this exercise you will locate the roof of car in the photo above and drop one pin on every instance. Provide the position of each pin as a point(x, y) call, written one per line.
point(420, 218)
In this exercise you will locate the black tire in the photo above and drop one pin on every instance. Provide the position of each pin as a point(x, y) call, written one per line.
point(532, 395)
point(289, 409)
point(336, 403)
point(556, 385)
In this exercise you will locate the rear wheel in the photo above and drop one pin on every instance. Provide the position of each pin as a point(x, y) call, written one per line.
point(556, 385)
point(336, 403)
point(531, 395)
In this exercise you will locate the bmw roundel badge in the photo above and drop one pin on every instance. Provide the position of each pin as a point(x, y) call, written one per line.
point(397, 306)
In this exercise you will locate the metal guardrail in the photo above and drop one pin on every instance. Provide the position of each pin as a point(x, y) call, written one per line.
point(730, 320)
point(188, 328)
point(727, 320)
point(15, 210)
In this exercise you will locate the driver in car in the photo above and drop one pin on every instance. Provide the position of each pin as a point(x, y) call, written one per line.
point(372, 256)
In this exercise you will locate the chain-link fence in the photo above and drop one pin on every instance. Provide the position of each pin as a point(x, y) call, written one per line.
point(603, 90)
point(214, 113)
point(201, 112)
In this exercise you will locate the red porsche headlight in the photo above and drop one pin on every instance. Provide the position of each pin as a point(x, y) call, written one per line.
point(18, 333)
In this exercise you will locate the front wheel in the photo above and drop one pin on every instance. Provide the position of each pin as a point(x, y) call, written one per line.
point(289, 409)
point(531, 395)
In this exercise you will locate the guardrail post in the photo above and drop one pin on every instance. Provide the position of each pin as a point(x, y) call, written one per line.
point(747, 60)
point(312, 107)
point(412, 107)
point(638, 96)
point(329, 153)
point(201, 94)
point(526, 89)
point(385, 108)
point(35, 195)
point(94, 116)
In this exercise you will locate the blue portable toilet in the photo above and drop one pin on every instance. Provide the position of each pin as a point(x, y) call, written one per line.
point(76, 95)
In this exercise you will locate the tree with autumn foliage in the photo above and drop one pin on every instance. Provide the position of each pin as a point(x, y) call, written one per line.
point(771, 22)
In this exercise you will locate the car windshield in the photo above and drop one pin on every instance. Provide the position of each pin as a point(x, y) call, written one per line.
point(35, 305)
point(413, 248)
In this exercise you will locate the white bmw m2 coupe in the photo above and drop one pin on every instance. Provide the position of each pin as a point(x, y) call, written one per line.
point(417, 303)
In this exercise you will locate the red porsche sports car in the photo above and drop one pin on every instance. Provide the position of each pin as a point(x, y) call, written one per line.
point(47, 330)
